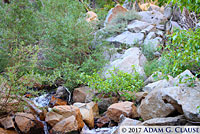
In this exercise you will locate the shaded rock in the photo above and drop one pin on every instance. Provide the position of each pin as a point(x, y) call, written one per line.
point(136, 26)
point(63, 93)
point(168, 121)
point(67, 111)
point(111, 54)
point(157, 85)
point(3, 131)
point(66, 125)
point(153, 17)
point(126, 108)
point(95, 108)
point(118, 9)
point(103, 121)
point(7, 122)
point(140, 96)
point(127, 38)
point(28, 124)
point(148, 29)
point(91, 16)
point(168, 11)
point(132, 56)
point(83, 94)
point(105, 102)
point(160, 27)
point(151, 35)
point(176, 25)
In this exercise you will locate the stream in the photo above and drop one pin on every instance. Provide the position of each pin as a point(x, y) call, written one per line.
point(43, 101)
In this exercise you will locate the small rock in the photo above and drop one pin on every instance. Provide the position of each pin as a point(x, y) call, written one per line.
point(118, 9)
point(28, 124)
point(140, 96)
point(126, 108)
point(168, 121)
point(3, 131)
point(83, 94)
point(103, 121)
point(136, 26)
point(66, 125)
point(63, 93)
point(91, 16)
point(56, 101)
point(52, 118)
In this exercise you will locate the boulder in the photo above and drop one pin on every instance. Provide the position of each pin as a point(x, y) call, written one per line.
point(151, 35)
point(157, 85)
point(153, 17)
point(132, 57)
point(95, 108)
point(83, 94)
point(136, 26)
point(67, 125)
point(65, 111)
point(3, 131)
point(52, 118)
point(56, 101)
point(153, 106)
point(162, 102)
point(168, 121)
point(185, 79)
point(127, 38)
point(168, 11)
point(28, 124)
point(128, 109)
point(91, 16)
point(7, 122)
point(87, 113)
point(118, 9)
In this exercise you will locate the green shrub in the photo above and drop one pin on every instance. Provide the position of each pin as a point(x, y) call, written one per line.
point(119, 83)
point(151, 67)
point(182, 53)
point(148, 51)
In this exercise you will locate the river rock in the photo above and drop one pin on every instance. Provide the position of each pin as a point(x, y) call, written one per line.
point(3, 131)
point(7, 122)
point(52, 118)
point(103, 121)
point(67, 125)
point(132, 56)
point(83, 94)
point(118, 9)
point(87, 113)
point(136, 26)
point(28, 124)
point(153, 17)
point(127, 38)
point(168, 121)
point(126, 108)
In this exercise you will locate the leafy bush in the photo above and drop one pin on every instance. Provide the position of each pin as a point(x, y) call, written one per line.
point(182, 53)
point(119, 83)
point(148, 51)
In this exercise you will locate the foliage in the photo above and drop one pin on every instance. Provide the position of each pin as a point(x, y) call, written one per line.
point(119, 83)
point(151, 67)
point(120, 22)
point(148, 51)
point(182, 53)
